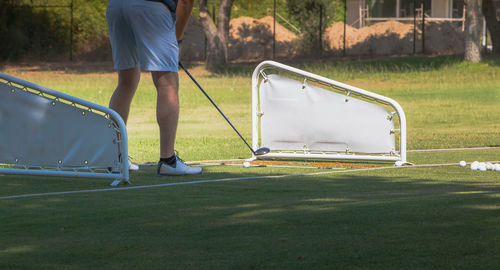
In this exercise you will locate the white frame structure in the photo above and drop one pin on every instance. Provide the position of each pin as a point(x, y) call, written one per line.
point(271, 67)
point(118, 173)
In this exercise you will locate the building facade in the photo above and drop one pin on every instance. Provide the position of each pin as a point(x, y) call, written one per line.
point(361, 12)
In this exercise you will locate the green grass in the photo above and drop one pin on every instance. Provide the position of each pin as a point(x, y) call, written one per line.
point(447, 102)
point(400, 218)
point(437, 218)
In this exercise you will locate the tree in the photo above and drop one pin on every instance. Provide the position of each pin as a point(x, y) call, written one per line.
point(472, 31)
point(313, 16)
point(217, 36)
point(29, 32)
point(490, 14)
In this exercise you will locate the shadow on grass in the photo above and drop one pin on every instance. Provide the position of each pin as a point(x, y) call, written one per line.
point(314, 222)
point(379, 65)
point(64, 66)
point(492, 59)
point(400, 64)
point(391, 64)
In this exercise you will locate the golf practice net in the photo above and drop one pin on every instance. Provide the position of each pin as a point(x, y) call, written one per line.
point(45, 132)
point(298, 114)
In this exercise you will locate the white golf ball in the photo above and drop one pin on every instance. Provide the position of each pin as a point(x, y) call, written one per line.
point(490, 166)
point(497, 167)
point(398, 163)
point(462, 163)
point(482, 167)
point(246, 164)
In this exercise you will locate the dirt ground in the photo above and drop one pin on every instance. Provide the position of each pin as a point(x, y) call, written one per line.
point(392, 38)
point(252, 39)
point(249, 39)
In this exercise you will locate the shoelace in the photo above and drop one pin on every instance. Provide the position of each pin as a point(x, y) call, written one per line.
point(177, 156)
point(180, 159)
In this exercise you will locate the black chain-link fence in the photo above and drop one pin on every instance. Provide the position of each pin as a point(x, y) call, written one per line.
point(35, 29)
point(357, 28)
point(52, 29)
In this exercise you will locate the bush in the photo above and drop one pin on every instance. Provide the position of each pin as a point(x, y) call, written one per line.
point(29, 31)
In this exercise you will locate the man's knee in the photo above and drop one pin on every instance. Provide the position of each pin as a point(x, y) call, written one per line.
point(165, 80)
point(129, 78)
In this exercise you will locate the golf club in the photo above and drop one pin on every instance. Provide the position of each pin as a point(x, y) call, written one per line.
point(258, 152)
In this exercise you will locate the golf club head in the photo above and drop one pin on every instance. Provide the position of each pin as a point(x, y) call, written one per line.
point(262, 151)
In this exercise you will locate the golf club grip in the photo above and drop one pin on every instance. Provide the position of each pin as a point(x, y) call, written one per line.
point(215, 105)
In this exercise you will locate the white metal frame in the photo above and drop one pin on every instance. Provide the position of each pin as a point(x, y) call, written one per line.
point(258, 76)
point(80, 172)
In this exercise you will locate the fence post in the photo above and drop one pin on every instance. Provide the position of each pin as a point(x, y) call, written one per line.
point(463, 20)
point(423, 28)
point(485, 35)
point(320, 40)
point(274, 29)
point(71, 34)
point(345, 27)
point(414, 26)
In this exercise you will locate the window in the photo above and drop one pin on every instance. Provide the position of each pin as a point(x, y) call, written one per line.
point(387, 8)
point(458, 8)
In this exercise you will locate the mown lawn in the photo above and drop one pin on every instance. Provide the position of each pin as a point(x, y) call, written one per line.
point(444, 217)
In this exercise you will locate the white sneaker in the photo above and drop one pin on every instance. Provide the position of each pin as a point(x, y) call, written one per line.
point(132, 166)
point(180, 168)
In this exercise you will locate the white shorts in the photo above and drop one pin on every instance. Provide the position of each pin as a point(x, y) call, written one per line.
point(142, 34)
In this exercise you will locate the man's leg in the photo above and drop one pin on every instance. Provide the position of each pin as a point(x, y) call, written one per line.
point(167, 109)
point(128, 80)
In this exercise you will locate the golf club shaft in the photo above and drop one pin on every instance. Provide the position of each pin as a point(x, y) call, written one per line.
point(215, 105)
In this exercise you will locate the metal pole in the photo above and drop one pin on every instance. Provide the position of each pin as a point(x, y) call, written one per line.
point(398, 7)
point(274, 29)
point(414, 26)
point(423, 28)
point(485, 34)
point(71, 34)
point(345, 26)
point(320, 40)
